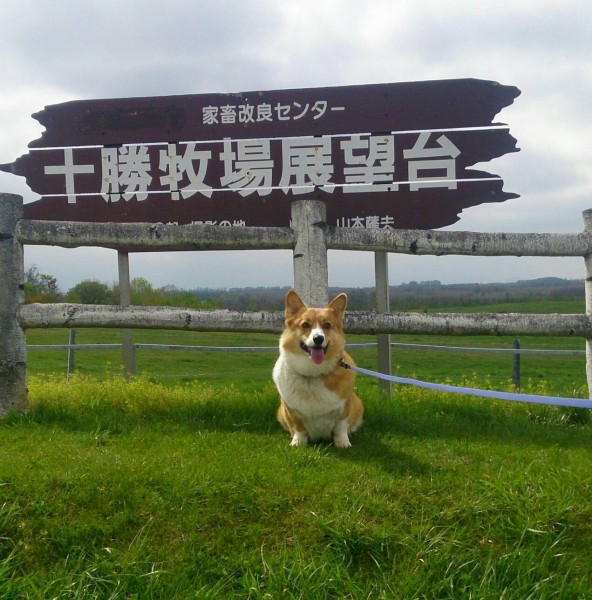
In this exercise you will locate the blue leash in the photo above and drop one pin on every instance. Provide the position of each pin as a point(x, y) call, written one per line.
point(533, 398)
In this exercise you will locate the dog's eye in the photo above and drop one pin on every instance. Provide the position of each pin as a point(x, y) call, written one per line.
point(305, 325)
point(327, 326)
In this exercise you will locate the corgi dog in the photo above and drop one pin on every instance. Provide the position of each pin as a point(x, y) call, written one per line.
point(317, 398)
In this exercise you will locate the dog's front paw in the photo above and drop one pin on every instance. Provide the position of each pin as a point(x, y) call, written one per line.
point(342, 442)
point(300, 438)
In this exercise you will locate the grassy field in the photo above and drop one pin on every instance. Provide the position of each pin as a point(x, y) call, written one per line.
point(140, 490)
point(185, 487)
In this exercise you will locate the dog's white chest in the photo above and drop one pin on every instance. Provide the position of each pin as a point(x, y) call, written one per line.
point(318, 407)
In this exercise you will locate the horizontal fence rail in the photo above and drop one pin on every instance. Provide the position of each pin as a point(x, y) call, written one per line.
point(147, 317)
point(150, 317)
point(470, 324)
point(153, 236)
point(398, 345)
point(160, 237)
point(440, 243)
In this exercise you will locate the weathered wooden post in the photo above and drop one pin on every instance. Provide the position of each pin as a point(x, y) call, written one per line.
point(13, 349)
point(587, 214)
point(71, 351)
point(311, 275)
point(383, 306)
point(125, 299)
point(516, 364)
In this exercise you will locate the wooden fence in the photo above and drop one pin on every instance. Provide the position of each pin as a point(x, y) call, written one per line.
point(309, 237)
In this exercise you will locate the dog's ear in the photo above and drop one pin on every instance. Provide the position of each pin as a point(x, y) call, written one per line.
point(294, 304)
point(338, 304)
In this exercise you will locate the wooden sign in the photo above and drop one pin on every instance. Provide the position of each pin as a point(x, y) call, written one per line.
point(387, 155)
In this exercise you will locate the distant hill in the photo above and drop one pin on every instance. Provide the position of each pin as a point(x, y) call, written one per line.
point(409, 296)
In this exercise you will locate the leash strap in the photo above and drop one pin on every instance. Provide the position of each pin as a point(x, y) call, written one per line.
point(533, 398)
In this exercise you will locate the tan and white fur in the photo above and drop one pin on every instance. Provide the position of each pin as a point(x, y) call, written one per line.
point(318, 402)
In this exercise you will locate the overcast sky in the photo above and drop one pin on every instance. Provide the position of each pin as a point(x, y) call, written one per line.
point(63, 50)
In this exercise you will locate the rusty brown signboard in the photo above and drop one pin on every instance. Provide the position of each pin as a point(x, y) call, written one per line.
point(387, 155)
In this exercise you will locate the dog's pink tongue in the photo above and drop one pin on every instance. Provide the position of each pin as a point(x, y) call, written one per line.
point(317, 355)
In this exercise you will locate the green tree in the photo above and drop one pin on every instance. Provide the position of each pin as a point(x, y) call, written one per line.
point(143, 294)
point(185, 298)
point(90, 291)
point(40, 287)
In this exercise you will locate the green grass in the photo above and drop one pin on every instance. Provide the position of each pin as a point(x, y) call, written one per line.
point(546, 305)
point(111, 489)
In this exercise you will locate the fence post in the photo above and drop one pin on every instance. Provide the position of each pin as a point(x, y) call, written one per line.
point(383, 305)
point(125, 299)
point(311, 275)
point(71, 351)
point(516, 364)
point(587, 215)
point(13, 345)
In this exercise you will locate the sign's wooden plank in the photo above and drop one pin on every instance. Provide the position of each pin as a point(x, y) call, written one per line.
point(372, 108)
point(430, 209)
point(334, 168)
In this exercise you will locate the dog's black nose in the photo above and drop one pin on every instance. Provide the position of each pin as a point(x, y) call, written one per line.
point(318, 339)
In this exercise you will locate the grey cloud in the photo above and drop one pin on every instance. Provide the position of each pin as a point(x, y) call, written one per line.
point(538, 172)
point(554, 32)
point(104, 48)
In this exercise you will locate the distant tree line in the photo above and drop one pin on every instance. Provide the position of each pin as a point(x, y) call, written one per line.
point(411, 296)
point(44, 288)
point(414, 296)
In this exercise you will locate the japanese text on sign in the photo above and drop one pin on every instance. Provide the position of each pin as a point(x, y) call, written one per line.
point(229, 114)
point(356, 163)
point(356, 222)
